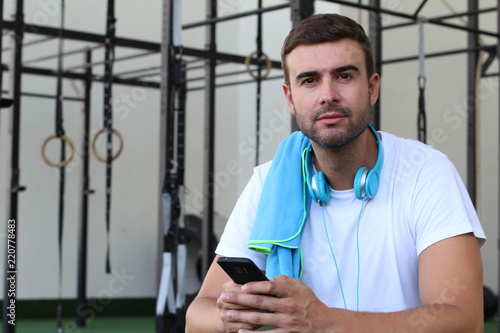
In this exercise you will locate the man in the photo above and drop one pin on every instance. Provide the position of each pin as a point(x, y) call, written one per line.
point(359, 231)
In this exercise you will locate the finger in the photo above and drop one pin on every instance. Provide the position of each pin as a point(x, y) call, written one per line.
point(231, 286)
point(229, 301)
point(237, 327)
point(255, 295)
point(232, 324)
point(280, 286)
point(261, 303)
point(259, 288)
point(253, 318)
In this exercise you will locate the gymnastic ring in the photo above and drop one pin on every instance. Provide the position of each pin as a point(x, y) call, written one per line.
point(268, 65)
point(118, 152)
point(68, 158)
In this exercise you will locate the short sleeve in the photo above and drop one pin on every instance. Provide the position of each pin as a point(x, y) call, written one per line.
point(441, 206)
point(233, 242)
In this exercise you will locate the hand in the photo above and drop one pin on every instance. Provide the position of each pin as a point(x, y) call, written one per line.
point(295, 307)
point(227, 303)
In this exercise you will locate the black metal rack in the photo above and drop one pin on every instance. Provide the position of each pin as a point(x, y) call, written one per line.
point(211, 58)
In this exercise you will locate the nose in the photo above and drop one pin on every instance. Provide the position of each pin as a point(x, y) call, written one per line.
point(329, 94)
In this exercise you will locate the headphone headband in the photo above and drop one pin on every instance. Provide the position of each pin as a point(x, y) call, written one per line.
point(370, 188)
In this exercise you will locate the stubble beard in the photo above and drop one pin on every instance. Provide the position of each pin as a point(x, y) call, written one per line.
point(332, 138)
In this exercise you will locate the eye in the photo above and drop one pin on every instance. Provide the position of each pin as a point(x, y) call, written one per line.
point(345, 76)
point(308, 80)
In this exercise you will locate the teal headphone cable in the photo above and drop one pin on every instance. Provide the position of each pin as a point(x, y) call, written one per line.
point(358, 256)
point(334, 259)
point(363, 202)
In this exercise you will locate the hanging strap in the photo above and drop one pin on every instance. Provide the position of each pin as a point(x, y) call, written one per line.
point(170, 305)
point(259, 85)
point(65, 158)
point(172, 296)
point(262, 59)
point(181, 251)
point(109, 56)
point(59, 132)
point(421, 120)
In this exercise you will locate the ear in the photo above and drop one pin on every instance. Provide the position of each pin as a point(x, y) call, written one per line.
point(288, 95)
point(373, 88)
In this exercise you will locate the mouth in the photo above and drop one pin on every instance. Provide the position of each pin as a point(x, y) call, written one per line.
point(331, 118)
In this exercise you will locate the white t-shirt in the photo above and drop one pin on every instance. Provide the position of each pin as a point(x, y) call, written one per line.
point(421, 200)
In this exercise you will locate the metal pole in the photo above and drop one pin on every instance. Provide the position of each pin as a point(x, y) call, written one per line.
point(220, 85)
point(96, 78)
point(164, 321)
point(1, 46)
point(411, 17)
point(33, 42)
point(164, 122)
point(420, 7)
point(441, 18)
point(472, 61)
point(498, 198)
point(234, 16)
point(375, 33)
point(114, 60)
point(209, 160)
point(10, 281)
point(299, 10)
point(81, 291)
point(439, 54)
point(84, 36)
point(67, 53)
point(1, 64)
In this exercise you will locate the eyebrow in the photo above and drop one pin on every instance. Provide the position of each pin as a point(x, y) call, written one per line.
point(335, 70)
point(345, 69)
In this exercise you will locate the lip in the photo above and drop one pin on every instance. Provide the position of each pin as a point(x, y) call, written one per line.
point(331, 118)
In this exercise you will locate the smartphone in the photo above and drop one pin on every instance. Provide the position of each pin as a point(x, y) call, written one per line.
point(241, 270)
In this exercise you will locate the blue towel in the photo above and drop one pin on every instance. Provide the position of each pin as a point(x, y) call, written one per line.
point(283, 210)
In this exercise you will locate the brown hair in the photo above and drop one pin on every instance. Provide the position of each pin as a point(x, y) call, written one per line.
point(326, 28)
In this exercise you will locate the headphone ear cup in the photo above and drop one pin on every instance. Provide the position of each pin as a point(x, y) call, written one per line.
point(359, 182)
point(310, 180)
point(311, 185)
point(317, 185)
point(372, 182)
point(322, 187)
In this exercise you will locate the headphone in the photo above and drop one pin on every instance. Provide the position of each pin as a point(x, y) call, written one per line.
point(366, 181)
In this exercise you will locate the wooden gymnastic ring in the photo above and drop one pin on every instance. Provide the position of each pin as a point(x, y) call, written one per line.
point(268, 65)
point(118, 152)
point(68, 157)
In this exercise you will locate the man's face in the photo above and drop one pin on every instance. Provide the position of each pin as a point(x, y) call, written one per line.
point(329, 93)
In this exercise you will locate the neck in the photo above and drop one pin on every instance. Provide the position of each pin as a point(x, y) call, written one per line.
point(340, 165)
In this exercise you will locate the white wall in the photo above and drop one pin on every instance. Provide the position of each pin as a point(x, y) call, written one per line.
point(135, 173)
